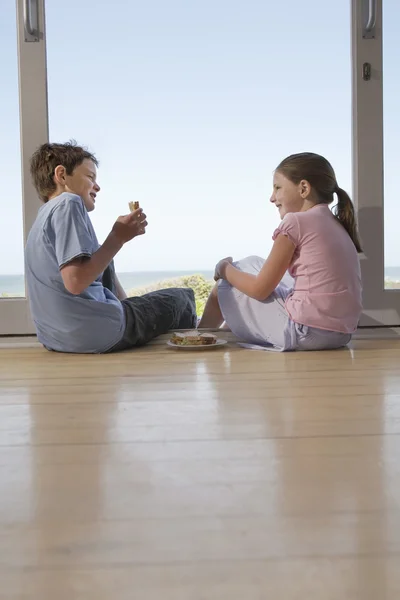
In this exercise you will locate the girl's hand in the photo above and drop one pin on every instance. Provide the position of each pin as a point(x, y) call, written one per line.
point(220, 267)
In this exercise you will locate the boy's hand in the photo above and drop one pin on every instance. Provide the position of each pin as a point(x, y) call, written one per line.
point(129, 226)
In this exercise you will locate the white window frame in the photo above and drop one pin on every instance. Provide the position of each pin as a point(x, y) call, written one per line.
point(14, 312)
point(381, 307)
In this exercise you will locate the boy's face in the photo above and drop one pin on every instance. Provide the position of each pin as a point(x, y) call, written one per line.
point(83, 183)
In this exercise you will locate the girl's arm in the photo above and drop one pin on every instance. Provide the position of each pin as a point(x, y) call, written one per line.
point(262, 285)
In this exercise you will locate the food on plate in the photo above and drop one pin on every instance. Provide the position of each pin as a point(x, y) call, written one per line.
point(194, 338)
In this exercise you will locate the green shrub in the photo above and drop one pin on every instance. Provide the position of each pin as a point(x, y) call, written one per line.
point(390, 284)
point(7, 295)
point(198, 283)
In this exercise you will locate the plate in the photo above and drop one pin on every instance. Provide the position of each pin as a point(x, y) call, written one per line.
point(217, 344)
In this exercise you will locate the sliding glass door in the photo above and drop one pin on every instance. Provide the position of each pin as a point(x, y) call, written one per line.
point(189, 107)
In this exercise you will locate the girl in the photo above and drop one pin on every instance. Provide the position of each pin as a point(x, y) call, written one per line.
point(319, 306)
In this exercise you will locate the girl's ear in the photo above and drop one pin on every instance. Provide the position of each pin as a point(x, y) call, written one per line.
point(304, 188)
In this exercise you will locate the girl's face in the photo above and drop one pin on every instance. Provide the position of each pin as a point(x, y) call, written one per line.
point(289, 197)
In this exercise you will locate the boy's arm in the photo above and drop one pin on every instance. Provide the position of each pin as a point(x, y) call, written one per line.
point(121, 294)
point(79, 273)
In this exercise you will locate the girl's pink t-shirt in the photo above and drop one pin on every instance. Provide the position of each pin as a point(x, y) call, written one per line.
point(327, 292)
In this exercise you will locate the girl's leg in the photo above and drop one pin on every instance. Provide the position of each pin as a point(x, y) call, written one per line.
point(212, 317)
point(250, 320)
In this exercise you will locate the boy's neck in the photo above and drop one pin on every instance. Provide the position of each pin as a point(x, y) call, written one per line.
point(60, 190)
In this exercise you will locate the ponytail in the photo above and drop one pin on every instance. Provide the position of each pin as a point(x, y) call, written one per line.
point(345, 214)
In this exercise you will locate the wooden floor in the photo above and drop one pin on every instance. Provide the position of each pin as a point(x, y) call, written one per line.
point(226, 475)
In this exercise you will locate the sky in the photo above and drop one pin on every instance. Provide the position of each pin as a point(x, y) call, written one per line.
point(189, 106)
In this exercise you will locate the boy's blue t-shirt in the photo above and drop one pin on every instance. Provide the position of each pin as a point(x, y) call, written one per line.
point(91, 322)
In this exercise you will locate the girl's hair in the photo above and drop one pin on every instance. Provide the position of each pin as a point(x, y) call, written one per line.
point(320, 175)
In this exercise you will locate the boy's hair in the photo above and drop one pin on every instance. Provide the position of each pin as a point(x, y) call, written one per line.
point(320, 175)
point(47, 157)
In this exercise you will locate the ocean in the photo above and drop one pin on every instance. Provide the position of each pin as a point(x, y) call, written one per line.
point(13, 285)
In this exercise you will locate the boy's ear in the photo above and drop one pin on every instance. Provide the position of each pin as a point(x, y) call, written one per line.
point(59, 174)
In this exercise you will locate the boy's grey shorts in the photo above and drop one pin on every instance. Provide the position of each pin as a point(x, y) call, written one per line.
point(156, 313)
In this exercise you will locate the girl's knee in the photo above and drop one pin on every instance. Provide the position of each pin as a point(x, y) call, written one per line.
point(254, 258)
point(250, 264)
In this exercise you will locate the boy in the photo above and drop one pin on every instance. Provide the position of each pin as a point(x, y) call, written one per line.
point(76, 300)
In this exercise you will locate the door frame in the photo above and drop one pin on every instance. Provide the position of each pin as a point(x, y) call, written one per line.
point(14, 312)
point(381, 307)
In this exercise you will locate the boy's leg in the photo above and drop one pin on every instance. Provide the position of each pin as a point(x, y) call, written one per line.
point(156, 313)
point(212, 316)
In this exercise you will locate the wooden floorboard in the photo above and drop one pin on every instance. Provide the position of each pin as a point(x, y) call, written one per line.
point(224, 474)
